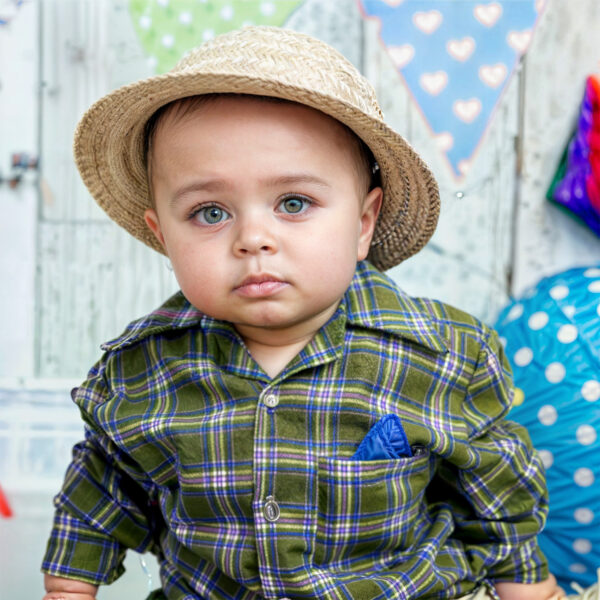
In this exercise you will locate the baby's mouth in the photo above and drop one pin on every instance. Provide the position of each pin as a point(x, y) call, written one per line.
point(260, 285)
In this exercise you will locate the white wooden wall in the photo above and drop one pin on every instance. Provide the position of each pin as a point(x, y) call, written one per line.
point(76, 279)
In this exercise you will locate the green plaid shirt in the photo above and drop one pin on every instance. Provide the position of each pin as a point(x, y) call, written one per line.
point(245, 487)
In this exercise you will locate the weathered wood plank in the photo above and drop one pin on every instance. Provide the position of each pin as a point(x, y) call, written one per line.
point(564, 51)
point(96, 278)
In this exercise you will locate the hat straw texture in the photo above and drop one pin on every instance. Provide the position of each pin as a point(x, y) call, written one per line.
point(266, 61)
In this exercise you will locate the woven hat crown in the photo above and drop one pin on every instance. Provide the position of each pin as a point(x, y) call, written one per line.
point(284, 57)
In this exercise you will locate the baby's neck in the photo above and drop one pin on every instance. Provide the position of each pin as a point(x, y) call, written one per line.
point(273, 359)
point(274, 348)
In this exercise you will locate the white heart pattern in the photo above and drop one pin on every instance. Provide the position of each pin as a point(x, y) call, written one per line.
point(488, 14)
point(444, 141)
point(434, 83)
point(467, 110)
point(456, 59)
point(461, 49)
point(401, 55)
point(519, 40)
point(464, 166)
point(493, 75)
point(428, 21)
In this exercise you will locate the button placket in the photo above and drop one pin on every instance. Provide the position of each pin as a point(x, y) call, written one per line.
point(267, 509)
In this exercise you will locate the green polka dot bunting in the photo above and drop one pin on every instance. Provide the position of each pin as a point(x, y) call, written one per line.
point(169, 28)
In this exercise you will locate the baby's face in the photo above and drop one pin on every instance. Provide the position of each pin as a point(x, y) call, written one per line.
point(261, 211)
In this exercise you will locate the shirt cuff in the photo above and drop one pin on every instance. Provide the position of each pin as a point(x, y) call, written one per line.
point(77, 551)
point(526, 564)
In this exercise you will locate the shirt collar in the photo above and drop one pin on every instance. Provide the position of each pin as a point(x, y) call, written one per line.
point(175, 313)
point(372, 301)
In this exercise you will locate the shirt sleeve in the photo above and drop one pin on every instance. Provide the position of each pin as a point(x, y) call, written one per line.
point(495, 479)
point(103, 507)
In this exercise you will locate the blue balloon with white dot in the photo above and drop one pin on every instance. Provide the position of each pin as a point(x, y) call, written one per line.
point(552, 339)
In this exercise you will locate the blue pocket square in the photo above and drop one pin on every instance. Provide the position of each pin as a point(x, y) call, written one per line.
point(386, 439)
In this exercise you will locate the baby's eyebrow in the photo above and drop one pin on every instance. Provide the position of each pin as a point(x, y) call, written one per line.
point(218, 184)
point(202, 185)
point(292, 178)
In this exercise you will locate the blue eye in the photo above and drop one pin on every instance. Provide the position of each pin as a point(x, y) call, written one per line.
point(294, 205)
point(211, 215)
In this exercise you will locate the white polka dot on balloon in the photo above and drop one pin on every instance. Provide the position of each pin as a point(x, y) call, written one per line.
point(145, 22)
point(503, 341)
point(584, 516)
point(586, 435)
point(567, 334)
point(208, 34)
point(555, 372)
point(523, 356)
point(558, 292)
point(163, 2)
point(227, 13)
point(583, 477)
point(569, 311)
point(538, 320)
point(594, 287)
point(582, 546)
point(577, 568)
point(592, 272)
point(547, 458)
point(590, 390)
point(547, 415)
point(515, 312)
point(152, 62)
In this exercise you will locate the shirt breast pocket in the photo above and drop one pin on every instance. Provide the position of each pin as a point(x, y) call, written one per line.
point(367, 507)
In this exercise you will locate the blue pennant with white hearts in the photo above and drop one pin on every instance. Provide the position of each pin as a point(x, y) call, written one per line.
point(456, 57)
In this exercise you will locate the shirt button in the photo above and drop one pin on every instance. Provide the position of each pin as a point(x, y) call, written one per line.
point(271, 400)
point(271, 510)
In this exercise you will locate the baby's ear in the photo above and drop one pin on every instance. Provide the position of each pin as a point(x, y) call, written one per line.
point(368, 219)
point(151, 218)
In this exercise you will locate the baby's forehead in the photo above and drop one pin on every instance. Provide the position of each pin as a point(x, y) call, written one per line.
point(220, 107)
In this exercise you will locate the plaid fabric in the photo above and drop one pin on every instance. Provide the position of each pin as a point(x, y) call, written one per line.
point(244, 487)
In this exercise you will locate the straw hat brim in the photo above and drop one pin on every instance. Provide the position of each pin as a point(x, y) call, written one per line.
point(109, 153)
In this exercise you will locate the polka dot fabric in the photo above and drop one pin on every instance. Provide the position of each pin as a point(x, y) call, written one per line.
point(552, 338)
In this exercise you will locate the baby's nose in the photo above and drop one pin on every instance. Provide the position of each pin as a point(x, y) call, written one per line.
point(254, 237)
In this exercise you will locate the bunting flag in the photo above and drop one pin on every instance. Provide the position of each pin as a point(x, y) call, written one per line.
point(456, 59)
point(169, 28)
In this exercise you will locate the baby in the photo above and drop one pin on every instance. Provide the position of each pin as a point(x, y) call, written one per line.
point(226, 431)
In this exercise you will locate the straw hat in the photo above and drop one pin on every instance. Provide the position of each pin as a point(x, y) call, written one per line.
point(267, 61)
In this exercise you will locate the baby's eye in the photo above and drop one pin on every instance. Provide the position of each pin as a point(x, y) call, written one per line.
point(293, 205)
point(211, 215)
